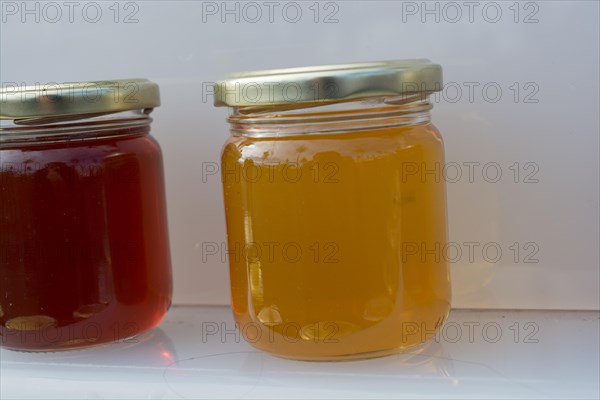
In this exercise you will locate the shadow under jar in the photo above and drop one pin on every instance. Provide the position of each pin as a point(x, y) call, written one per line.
point(83, 228)
point(335, 216)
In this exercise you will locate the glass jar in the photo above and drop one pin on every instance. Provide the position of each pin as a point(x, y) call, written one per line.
point(83, 227)
point(335, 215)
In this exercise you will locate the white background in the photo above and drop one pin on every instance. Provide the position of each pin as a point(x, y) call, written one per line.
point(549, 50)
point(523, 356)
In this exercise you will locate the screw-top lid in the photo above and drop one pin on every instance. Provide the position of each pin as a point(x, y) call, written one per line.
point(77, 98)
point(328, 83)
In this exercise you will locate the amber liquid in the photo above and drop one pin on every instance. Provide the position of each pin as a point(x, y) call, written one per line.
point(330, 241)
point(83, 236)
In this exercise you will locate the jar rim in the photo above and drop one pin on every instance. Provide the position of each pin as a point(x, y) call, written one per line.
point(70, 129)
point(82, 99)
point(328, 83)
point(331, 118)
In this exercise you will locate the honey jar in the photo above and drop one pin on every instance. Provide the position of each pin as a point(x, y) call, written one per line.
point(83, 227)
point(334, 226)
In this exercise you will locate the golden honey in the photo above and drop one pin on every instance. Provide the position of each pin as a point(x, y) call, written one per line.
point(336, 221)
point(316, 241)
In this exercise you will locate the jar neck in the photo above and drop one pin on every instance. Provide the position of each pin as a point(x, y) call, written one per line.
point(342, 117)
point(76, 127)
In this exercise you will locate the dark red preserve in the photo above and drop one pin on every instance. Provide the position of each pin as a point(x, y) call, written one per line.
point(84, 250)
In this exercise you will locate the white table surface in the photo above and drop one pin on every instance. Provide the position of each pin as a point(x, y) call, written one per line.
point(196, 354)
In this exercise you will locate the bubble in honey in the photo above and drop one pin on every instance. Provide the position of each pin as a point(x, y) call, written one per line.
point(87, 310)
point(256, 284)
point(31, 323)
point(378, 308)
point(327, 331)
point(269, 316)
point(73, 342)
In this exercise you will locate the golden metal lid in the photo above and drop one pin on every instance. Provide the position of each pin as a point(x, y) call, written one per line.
point(77, 98)
point(328, 83)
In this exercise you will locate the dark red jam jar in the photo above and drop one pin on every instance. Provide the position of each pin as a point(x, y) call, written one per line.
point(84, 249)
